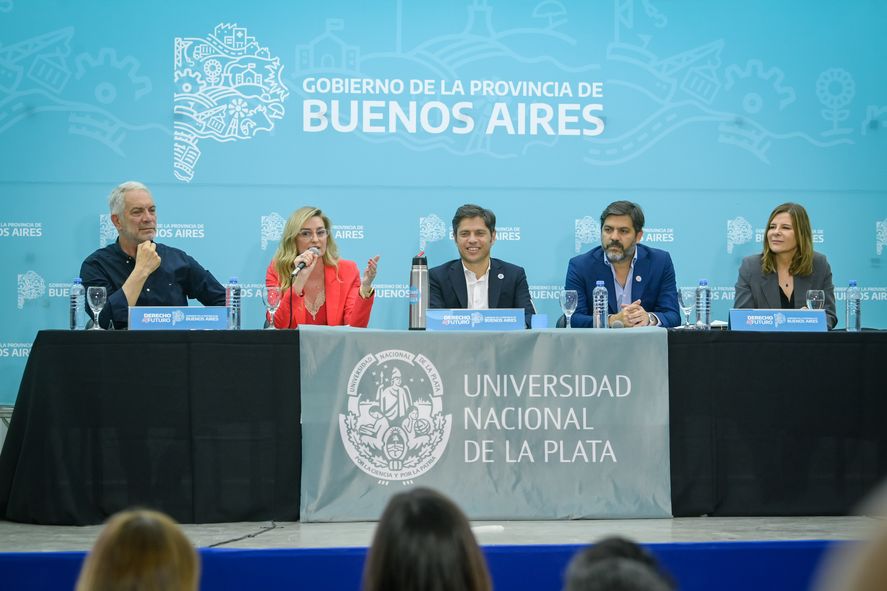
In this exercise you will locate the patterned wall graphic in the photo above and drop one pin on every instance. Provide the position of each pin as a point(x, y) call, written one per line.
point(92, 89)
point(389, 115)
point(228, 88)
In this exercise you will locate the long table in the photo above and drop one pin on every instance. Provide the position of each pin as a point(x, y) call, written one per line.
point(205, 425)
point(202, 425)
point(776, 424)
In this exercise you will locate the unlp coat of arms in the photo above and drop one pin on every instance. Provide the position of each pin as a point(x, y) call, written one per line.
point(395, 428)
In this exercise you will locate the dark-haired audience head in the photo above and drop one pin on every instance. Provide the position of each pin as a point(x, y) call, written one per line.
point(423, 543)
point(616, 564)
point(140, 550)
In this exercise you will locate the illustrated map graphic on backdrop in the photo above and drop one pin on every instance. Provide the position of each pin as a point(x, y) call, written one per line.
point(707, 119)
point(37, 75)
point(446, 99)
point(228, 88)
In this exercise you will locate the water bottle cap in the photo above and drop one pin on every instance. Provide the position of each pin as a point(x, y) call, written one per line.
point(420, 260)
point(599, 283)
point(78, 280)
point(232, 280)
point(703, 282)
point(853, 283)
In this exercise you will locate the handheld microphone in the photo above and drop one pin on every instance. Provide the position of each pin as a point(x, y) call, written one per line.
point(302, 265)
point(618, 324)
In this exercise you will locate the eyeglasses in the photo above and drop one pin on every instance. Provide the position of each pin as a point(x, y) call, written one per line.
point(309, 234)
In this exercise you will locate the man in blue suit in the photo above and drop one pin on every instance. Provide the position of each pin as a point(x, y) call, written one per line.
point(640, 280)
point(475, 281)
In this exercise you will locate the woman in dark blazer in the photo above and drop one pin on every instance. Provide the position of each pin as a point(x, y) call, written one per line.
point(781, 275)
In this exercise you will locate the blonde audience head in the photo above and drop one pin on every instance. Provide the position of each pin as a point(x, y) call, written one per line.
point(860, 565)
point(140, 550)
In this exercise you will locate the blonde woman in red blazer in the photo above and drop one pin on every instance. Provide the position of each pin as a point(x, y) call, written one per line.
point(327, 290)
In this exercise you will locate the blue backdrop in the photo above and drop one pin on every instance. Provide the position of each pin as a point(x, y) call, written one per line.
point(391, 114)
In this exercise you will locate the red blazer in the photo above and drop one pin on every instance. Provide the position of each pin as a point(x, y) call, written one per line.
point(343, 302)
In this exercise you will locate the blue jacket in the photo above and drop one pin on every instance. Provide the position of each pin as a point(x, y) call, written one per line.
point(653, 282)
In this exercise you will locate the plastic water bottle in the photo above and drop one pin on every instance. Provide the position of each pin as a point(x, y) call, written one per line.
point(854, 307)
point(77, 312)
point(599, 303)
point(232, 300)
point(418, 292)
point(703, 305)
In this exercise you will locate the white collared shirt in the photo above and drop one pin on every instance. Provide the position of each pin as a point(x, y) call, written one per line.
point(478, 289)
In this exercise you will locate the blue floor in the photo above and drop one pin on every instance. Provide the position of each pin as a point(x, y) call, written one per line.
point(725, 566)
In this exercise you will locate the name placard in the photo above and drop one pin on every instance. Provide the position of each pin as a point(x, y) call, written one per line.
point(178, 318)
point(468, 320)
point(778, 320)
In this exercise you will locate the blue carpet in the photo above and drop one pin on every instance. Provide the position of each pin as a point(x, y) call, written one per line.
point(726, 566)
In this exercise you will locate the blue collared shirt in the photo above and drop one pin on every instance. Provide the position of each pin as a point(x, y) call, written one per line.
point(623, 292)
point(178, 278)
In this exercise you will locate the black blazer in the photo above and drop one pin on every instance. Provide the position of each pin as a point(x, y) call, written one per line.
point(508, 287)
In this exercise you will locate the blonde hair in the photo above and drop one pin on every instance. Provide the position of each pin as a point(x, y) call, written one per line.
point(287, 250)
point(140, 550)
point(802, 261)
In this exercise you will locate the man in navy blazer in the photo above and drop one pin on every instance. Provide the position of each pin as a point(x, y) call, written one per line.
point(640, 280)
point(476, 281)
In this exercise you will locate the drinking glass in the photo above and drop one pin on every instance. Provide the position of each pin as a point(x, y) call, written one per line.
point(569, 301)
point(815, 299)
point(271, 298)
point(687, 301)
point(96, 296)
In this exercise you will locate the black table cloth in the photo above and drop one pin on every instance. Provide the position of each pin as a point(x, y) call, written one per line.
point(776, 424)
point(205, 425)
point(202, 425)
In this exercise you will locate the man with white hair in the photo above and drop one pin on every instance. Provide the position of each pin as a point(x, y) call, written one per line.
point(136, 271)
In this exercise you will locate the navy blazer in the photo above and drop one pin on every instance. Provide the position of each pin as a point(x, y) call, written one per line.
point(507, 289)
point(653, 282)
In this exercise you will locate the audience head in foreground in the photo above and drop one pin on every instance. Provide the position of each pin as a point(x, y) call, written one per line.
point(423, 543)
point(860, 565)
point(140, 550)
point(616, 564)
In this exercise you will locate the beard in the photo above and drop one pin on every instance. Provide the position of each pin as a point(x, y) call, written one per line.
point(620, 255)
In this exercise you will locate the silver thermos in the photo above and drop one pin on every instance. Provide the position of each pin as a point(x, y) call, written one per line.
point(418, 292)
